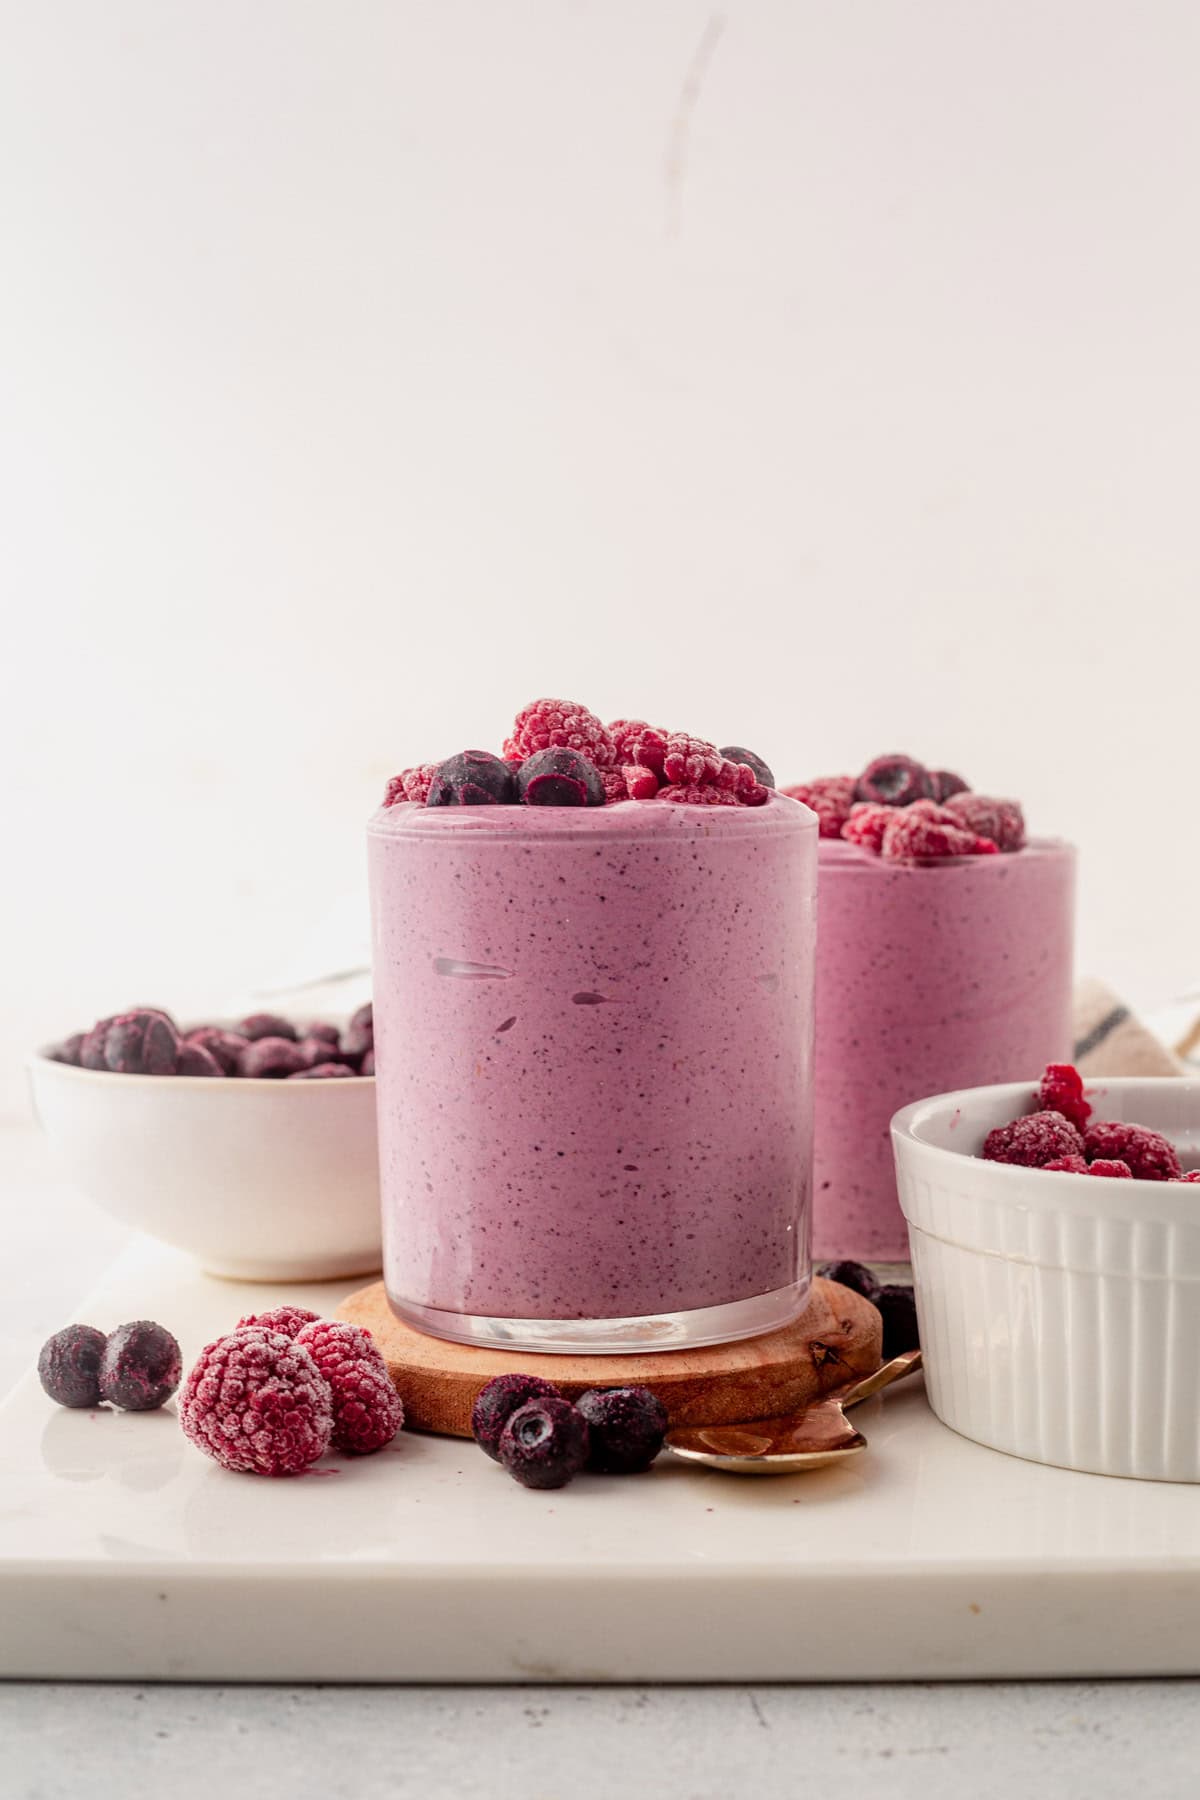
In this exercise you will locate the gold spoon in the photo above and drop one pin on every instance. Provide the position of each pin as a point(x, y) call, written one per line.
point(819, 1435)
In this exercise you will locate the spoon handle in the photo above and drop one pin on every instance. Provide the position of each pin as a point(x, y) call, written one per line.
point(905, 1364)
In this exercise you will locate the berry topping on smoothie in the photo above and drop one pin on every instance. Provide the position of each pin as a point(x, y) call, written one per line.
point(411, 784)
point(944, 782)
point(894, 781)
point(735, 753)
point(913, 836)
point(561, 724)
point(1001, 820)
point(831, 797)
point(557, 777)
point(473, 778)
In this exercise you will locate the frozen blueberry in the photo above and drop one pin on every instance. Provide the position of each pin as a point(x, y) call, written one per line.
point(197, 1059)
point(736, 753)
point(360, 1032)
point(496, 1403)
point(140, 1367)
point(70, 1050)
point(626, 1427)
point(324, 1071)
point(898, 1310)
point(545, 1443)
point(945, 782)
point(266, 1025)
point(894, 781)
point(320, 1028)
point(559, 777)
point(144, 1042)
point(367, 1065)
point(224, 1046)
point(272, 1059)
point(472, 778)
point(69, 1365)
point(91, 1051)
point(853, 1275)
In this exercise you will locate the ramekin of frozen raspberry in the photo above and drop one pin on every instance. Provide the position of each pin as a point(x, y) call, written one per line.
point(1055, 1237)
point(262, 1166)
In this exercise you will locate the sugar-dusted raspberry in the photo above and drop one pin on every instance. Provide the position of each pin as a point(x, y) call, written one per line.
point(830, 797)
point(867, 824)
point(258, 1404)
point(1033, 1141)
point(1110, 1165)
point(893, 781)
point(688, 760)
point(367, 1412)
point(563, 724)
point(640, 784)
point(634, 736)
point(913, 837)
point(1151, 1156)
point(739, 778)
point(613, 783)
point(290, 1320)
point(1069, 1165)
point(1061, 1090)
point(411, 784)
point(697, 793)
point(755, 796)
point(1001, 820)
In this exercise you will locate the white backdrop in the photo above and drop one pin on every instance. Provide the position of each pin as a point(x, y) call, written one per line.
point(822, 378)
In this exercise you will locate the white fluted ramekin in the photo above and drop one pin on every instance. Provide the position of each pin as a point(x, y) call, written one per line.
point(1060, 1314)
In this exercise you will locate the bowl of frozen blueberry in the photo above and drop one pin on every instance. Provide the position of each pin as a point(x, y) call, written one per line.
point(250, 1144)
point(1055, 1234)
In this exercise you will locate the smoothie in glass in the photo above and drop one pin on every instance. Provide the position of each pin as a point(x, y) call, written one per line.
point(930, 977)
point(593, 1036)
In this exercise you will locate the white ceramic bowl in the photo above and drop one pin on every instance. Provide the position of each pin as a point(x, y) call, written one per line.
point(258, 1180)
point(1060, 1314)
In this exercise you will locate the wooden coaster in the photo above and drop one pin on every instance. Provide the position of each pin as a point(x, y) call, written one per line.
point(836, 1338)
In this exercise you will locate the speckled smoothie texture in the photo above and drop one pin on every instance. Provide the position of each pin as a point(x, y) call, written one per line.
point(593, 1039)
point(929, 978)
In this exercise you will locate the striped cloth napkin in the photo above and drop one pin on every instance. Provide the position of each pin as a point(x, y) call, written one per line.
point(1111, 1040)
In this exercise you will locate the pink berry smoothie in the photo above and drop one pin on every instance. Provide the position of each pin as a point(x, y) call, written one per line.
point(930, 977)
point(593, 1040)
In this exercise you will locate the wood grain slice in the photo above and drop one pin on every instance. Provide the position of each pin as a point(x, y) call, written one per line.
point(837, 1338)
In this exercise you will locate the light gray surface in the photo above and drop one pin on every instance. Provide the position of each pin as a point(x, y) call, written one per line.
point(1105, 1740)
point(940, 1742)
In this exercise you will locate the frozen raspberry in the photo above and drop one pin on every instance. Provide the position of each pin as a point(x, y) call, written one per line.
point(559, 777)
point(944, 783)
point(144, 1042)
point(1061, 1090)
point(894, 781)
point(1001, 820)
point(630, 736)
point(91, 1051)
point(290, 1320)
point(258, 1404)
point(755, 796)
point(544, 1444)
point(411, 784)
point(1151, 1157)
point(225, 1046)
point(367, 1412)
point(140, 1367)
point(271, 1059)
point(854, 1275)
point(898, 1309)
point(739, 778)
point(1192, 1175)
point(1033, 1141)
point(496, 1403)
point(689, 760)
point(360, 1032)
point(1108, 1165)
point(830, 797)
point(562, 724)
point(867, 824)
point(266, 1025)
point(197, 1059)
point(68, 1365)
point(70, 1050)
point(736, 754)
point(640, 784)
point(1069, 1165)
point(626, 1428)
point(613, 783)
point(698, 793)
point(473, 778)
point(324, 1071)
point(911, 837)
